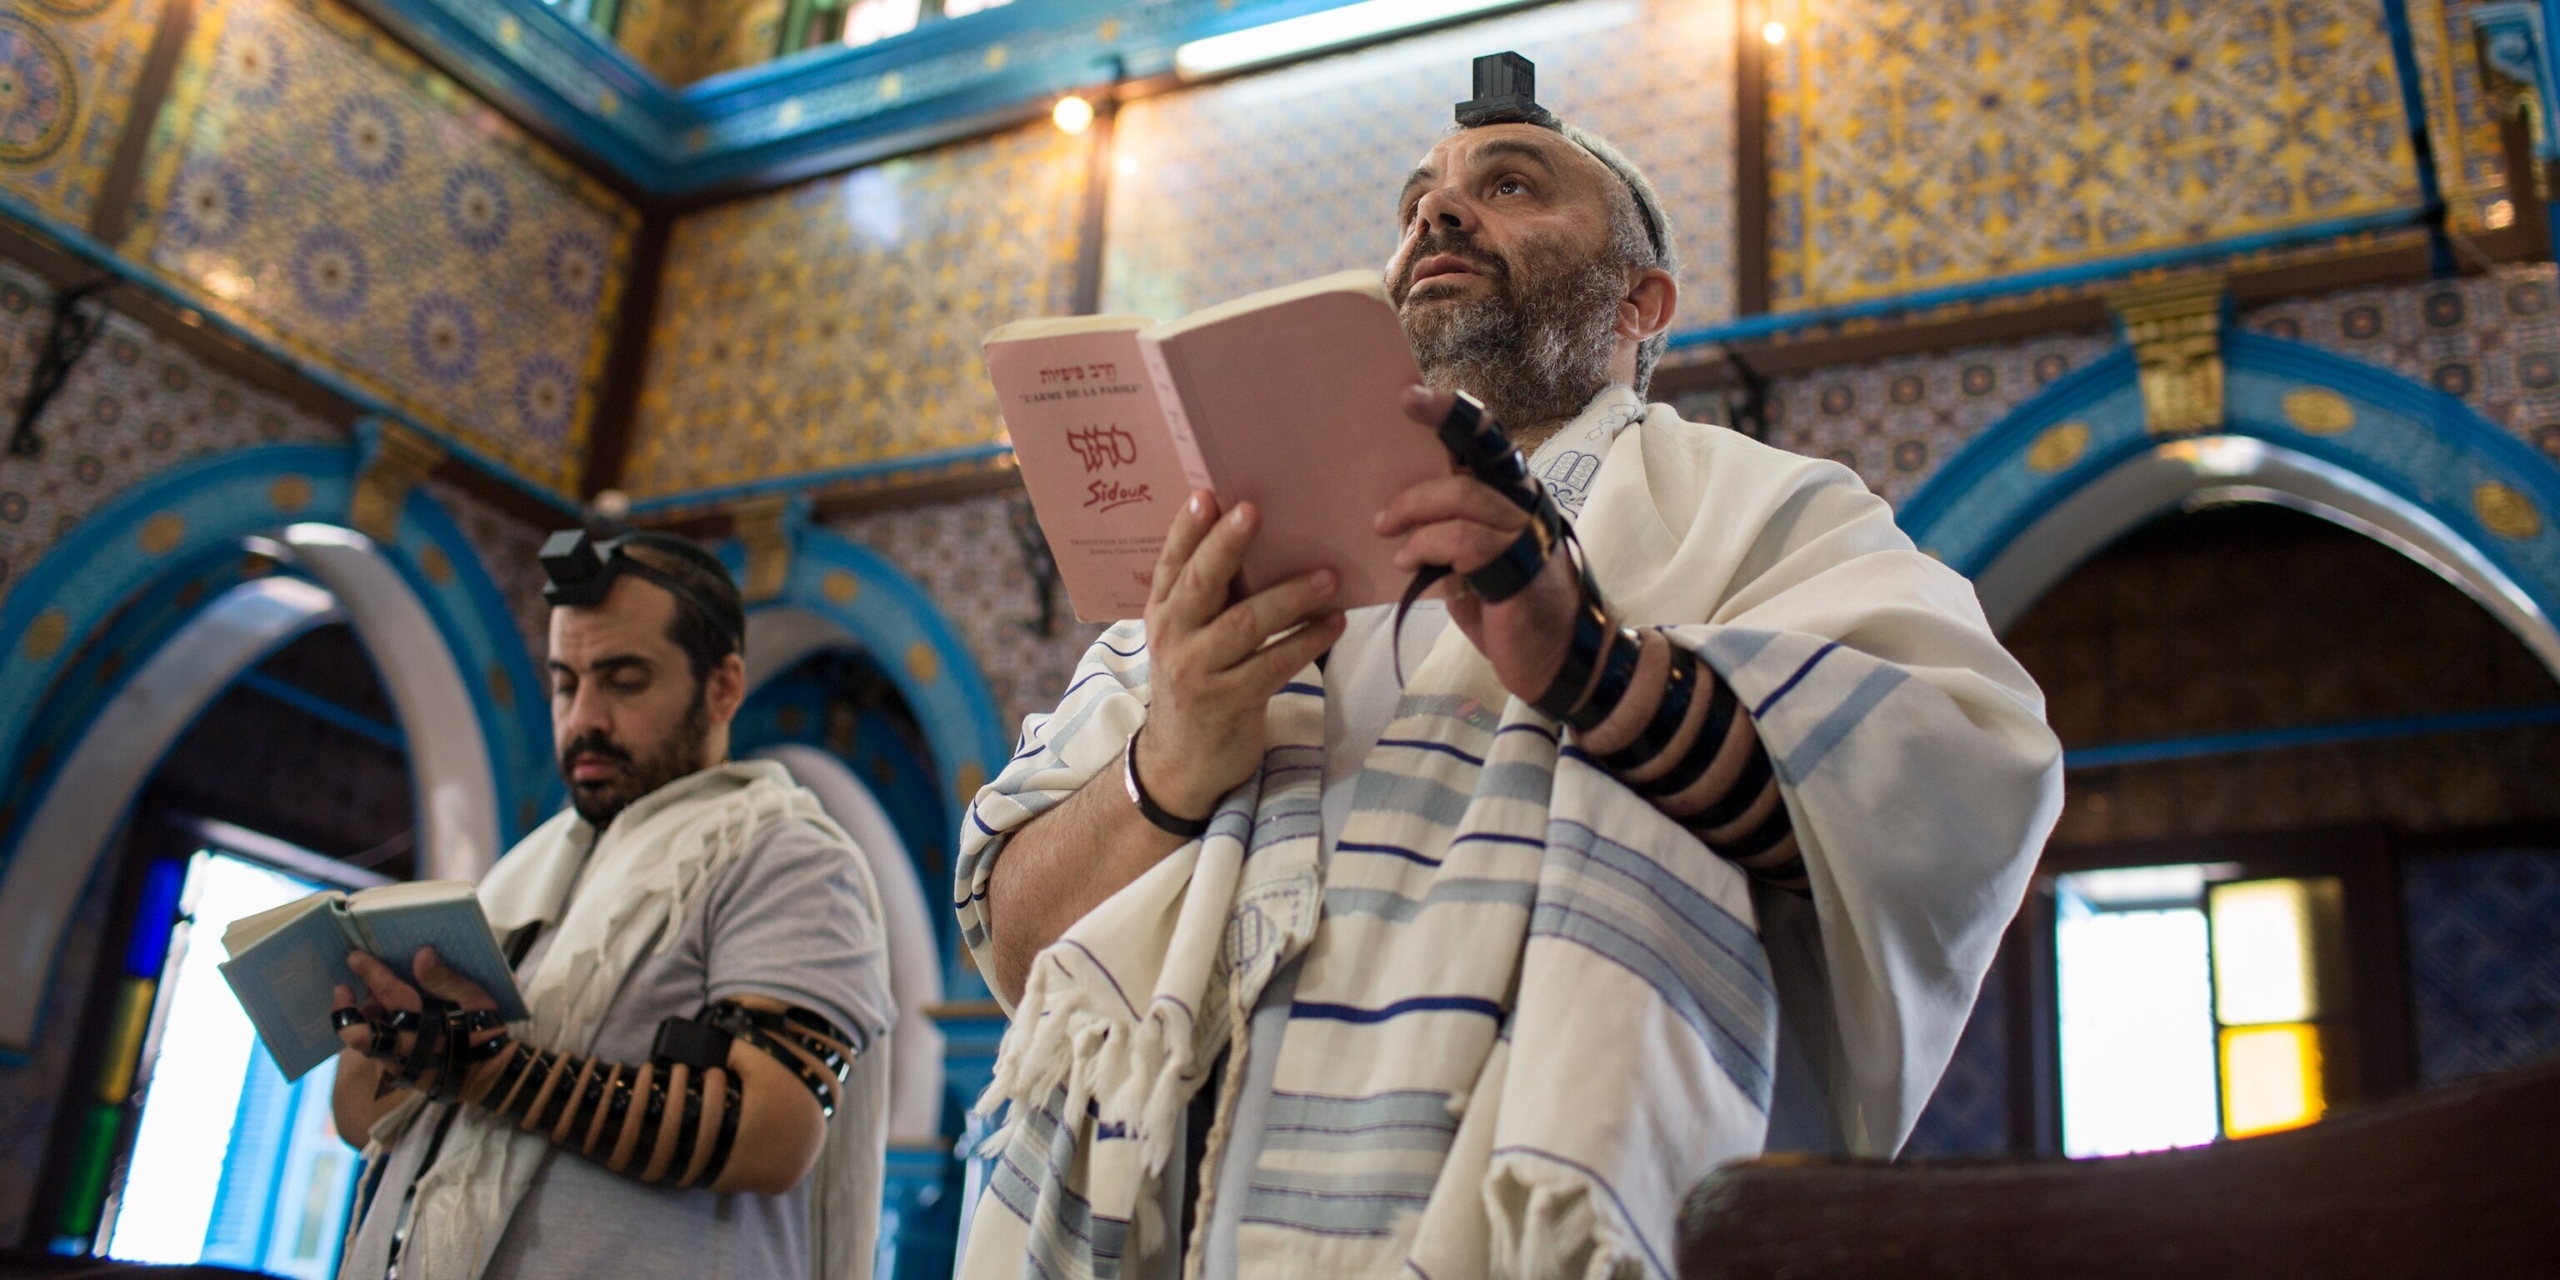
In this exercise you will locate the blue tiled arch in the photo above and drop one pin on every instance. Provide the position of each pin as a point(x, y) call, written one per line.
point(174, 521)
point(2417, 443)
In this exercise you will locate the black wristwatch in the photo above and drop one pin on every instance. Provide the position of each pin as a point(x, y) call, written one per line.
point(1187, 828)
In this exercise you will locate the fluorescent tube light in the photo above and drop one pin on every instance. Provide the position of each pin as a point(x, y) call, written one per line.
point(1349, 24)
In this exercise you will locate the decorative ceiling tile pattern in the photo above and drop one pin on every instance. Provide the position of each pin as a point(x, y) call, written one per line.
point(1278, 177)
point(67, 72)
point(836, 323)
point(2462, 121)
point(319, 183)
point(1896, 421)
point(134, 407)
point(2493, 340)
point(681, 41)
point(1918, 146)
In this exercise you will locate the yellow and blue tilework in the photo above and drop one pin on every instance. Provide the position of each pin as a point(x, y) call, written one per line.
point(1916, 146)
point(681, 41)
point(836, 323)
point(2462, 121)
point(67, 72)
point(321, 184)
point(1278, 177)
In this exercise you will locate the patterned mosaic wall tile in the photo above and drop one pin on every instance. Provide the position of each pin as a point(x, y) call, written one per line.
point(1272, 178)
point(67, 72)
point(508, 549)
point(681, 41)
point(2462, 122)
point(1916, 146)
point(837, 322)
point(1895, 421)
point(2484, 960)
point(134, 407)
point(2492, 339)
point(318, 182)
point(1969, 1114)
point(964, 555)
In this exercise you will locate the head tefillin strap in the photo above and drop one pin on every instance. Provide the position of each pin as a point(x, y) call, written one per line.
point(579, 569)
point(1507, 93)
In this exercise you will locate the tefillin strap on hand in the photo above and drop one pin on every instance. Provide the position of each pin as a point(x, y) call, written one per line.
point(1479, 445)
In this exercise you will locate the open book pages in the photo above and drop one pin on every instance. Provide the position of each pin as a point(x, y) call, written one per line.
point(286, 961)
point(1290, 399)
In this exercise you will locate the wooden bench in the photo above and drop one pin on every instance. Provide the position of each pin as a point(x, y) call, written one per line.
point(2461, 1183)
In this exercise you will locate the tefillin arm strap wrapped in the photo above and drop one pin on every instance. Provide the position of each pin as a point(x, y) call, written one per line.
point(1672, 759)
point(618, 1113)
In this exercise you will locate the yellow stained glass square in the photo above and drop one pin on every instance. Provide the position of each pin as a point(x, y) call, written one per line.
point(2272, 1078)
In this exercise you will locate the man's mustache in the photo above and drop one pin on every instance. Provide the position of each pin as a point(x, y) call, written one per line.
point(1457, 244)
point(593, 744)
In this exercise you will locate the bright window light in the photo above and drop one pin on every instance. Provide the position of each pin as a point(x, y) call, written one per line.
point(1346, 25)
point(2136, 997)
point(2262, 966)
point(2271, 1079)
point(872, 20)
point(187, 1116)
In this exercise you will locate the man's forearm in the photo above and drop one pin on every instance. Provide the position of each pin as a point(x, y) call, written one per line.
point(1061, 865)
point(1678, 736)
point(753, 1121)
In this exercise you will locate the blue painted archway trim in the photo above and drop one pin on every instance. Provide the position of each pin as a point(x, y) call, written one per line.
point(177, 518)
point(897, 623)
point(2414, 441)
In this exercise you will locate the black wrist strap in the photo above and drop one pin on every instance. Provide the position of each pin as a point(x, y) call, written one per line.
point(689, 1131)
point(1737, 799)
point(617, 1108)
point(1617, 673)
point(1678, 684)
point(1581, 655)
point(1760, 839)
point(1510, 573)
point(730, 1100)
point(592, 1097)
point(562, 1095)
point(1170, 823)
point(742, 1022)
point(1722, 705)
point(651, 1117)
point(504, 1087)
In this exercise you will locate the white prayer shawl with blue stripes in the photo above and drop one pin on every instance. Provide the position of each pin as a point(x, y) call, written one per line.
point(1533, 1012)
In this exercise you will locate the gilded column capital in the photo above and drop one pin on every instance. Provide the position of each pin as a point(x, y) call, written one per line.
point(764, 525)
point(2176, 331)
point(396, 459)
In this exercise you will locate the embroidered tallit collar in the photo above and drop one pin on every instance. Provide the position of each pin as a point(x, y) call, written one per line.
point(1571, 457)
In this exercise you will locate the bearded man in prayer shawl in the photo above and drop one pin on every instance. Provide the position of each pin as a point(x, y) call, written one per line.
point(1635, 873)
point(700, 948)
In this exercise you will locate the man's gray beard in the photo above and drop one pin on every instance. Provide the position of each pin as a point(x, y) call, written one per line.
point(1534, 361)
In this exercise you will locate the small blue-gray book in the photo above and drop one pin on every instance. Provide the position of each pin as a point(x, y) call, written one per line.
point(285, 961)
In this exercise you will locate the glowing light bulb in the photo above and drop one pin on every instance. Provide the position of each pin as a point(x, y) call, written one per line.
point(1774, 32)
point(1072, 114)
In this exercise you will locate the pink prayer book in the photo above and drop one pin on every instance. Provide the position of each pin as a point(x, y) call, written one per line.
point(1290, 399)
